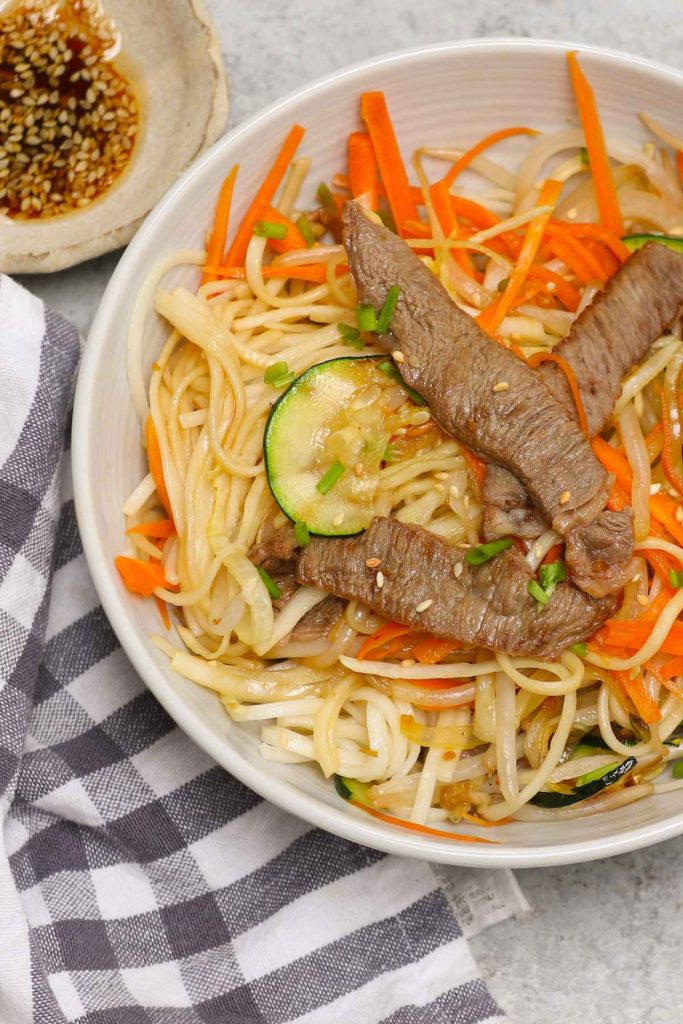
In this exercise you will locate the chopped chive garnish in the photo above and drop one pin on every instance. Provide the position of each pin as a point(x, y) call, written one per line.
point(551, 575)
point(580, 649)
point(329, 479)
point(278, 375)
point(585, 159)
point(483, 552)
point(390, 453)
point(388, 309)
point(267, 229)
point(305, 229)
point(387, 367)
point(269, 583)
point(302, 535)
point(676, 578)
point(350, 336)
point(536, 591)
point(677, 770)
point(326, 198)
point(502, 285)
point(366, 318)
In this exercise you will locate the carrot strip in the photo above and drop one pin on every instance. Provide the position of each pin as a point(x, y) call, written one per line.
point(671, 471)
point(586, 230)
point(430, 650)
point(375, 114)
point(413, 827)
point(679, 164)
point(554, 553)
point(363, 170)
point(661, 565)
point(441, 202)
point(530, 291)
point(481, 218)
point(490, 140)
point(605, 191)
point(646, 706)
point(159, 528)
point(603, 256)
point(264, 196)
point(219, 233)
point(315, 273)
point(140, 577)
point(572, 252)
point(553, 357)
point(671, 668)
point(673, 684)
point(293, 240)
point(492, 317)
point(632, 634)
point(163, 611)
point(654, 442)
point(475, 466)
point(417, 229)
point(389, 631)
point(569, 296)
point(155, 465)
point(476, 820)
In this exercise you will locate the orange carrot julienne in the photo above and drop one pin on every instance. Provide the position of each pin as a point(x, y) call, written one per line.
point(671, 471)
point(671, 668)
point(430, 650)
point(605, 191)
point(292, 240)
point(646, 706)
point(597, 231)
point(567, 370)
point(660, 564)
point(633, 633)
point(315, 273)
point(140, 577)
point(389, 631)
point(375, 114)
point(155, 465)
point(492, 317)
point(571, 251)
point(363, 170)
point(441, 202)
point(669, 680)
point(466, 159)
point(159, 528)
point(163, 611)
point(264, 196)
point(413, 827)
point(475, 466)
point(655, 441)
point(569, 296)
point(554, 553)
point(679, 164)
point(219, 233)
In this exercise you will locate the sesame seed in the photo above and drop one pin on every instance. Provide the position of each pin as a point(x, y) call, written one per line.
point(408, 663)
point(441, 475)
point(440, 488)
point(372, 563)
point(457, 570)
point(338, 520)
point(466, 501)
point(398, 357)
point(401, 432)
point(454, 491)
point(424, 605)
point(642, 600)
point(358, 469)
point(379, 579)
point(655, 488)
point(502, 385)
point(636, 578)
point(564, 497)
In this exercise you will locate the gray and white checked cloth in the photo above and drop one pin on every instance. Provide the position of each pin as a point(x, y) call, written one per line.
point(139, 882)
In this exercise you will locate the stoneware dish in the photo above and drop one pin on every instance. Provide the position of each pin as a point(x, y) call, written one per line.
point(171, 52)
point(448, 94)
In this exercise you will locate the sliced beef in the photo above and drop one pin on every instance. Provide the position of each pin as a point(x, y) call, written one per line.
point(477, 390)
point(273, 543)
point(318, 622)
point(508, 509)
point(487, 605)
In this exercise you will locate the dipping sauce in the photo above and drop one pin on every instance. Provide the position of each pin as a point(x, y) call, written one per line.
point(68, 117)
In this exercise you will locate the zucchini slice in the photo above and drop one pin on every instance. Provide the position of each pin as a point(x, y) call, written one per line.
point(325, 441)
point(634, 242)
point(351, 789)
point(553, 799)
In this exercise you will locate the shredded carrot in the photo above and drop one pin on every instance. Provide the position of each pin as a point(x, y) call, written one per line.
point(571, 251)
point(671, 668)
point(363, 170)
point(375, 114)
point(476, 820)
point(155, 465)
point(569, 296)
point(654, 441)
point(389, 631)
point(264, 196)
point(671, 470)
point(315, 273)
point(605, 191)
point(661, 565)
point(158, 528)
point(140, 577)
point(665, 677)
point(475, 466)
point(597, 231)
point(567, 370)
point(163, 611)
point(632, 634)
point(646, 706)
point(602, 255)
point(413, 827)
point(530, 290)
point(219, 233)
point(430, 650)
point(679, 164)
point(293, 239)
point(554, 554)
point(417, 229)
point(492, 317)
point(441, 202)
point(490, 140)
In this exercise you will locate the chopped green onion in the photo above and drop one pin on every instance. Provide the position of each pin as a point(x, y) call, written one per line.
point(585, 159)
point(305, 229)
point(302, 535)
point(597, 773)
point(483, 552)
point(329, 479)
point(676, 578)
point(390, 453)
point(326, 198)
point(267, 229)
point(551, 575)
point(350, 336)
point(278, 375)
point(269, 583)
point(580, 649)
point(388, 309)
point(366, 318)
point(387, 367)
point(502, 285)
point(536, 591)
point(677, 770)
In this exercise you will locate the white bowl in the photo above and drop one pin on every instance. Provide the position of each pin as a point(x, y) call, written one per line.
point(449, 94)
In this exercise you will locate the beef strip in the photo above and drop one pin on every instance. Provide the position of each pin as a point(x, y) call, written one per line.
point(607, 339)
point(487, 605)
point(456, 367)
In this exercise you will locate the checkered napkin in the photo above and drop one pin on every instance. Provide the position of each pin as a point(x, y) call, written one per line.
point(139, 882)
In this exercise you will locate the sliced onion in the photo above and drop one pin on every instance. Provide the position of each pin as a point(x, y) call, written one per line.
point(447, 737)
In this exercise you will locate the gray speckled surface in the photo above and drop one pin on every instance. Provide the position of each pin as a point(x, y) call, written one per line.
point(602, 944)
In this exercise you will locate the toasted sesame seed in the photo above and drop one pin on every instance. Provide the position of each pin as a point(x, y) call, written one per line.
point(454, 491)
point(424, 605)
point(636, 578)
point(420, 417)
point(401, 432)
point(466, 501)
point(440, 488)
point(564, 497)
point(372, 563)
point(338, 520)
point(502, 385)
point(398, 356)
point(408, 663)
point(457, 570)
point(379, 580)
point(358, 469)
point(655, 488)
point(642, 600)
point(441, 475)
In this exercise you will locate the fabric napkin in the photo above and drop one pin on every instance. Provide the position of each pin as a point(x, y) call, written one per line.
point(139, 882)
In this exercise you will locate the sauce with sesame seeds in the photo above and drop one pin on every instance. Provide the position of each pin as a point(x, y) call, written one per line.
point(69, 117)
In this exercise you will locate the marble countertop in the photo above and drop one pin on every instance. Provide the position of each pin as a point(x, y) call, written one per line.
point(601, 944)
